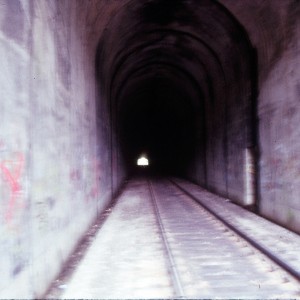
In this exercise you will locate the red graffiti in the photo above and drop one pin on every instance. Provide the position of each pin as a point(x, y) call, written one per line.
point(75, 175)
point(95, 191)
point(12, 177)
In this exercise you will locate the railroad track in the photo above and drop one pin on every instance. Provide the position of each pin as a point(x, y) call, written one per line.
point(172, 268)
point(277, 260)
point(160, 240)
point(209, 257)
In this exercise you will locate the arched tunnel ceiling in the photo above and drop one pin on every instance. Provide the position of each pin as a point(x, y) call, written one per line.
point(156, 47)
point(199, 39)
point(207, 49)
point(268, 23)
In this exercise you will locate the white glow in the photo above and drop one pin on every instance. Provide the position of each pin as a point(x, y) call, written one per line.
point(142, 161)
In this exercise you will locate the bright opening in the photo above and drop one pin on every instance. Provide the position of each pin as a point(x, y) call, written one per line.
point(142, 161)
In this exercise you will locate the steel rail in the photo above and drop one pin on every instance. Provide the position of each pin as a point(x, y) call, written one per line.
point(178, 289)
point(283, 265)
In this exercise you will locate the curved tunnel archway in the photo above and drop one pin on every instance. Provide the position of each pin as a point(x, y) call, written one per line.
point(178, 78)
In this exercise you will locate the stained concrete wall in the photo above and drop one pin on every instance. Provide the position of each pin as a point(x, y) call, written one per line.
point(269, 147)
point(55, 163)
point(274, 30)
point(279, 136)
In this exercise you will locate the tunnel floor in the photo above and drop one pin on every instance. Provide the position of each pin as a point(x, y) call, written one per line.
point(172, 239)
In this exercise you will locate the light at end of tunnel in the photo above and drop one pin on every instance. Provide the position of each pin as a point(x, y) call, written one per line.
point(143, 161)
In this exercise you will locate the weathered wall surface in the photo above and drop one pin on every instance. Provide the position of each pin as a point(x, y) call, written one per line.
point(54, 161)
point(279, 137)
point(60, 162)
point(276, 36)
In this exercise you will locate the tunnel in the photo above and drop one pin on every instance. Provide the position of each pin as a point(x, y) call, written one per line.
point(169, 141)
point(207, 90)
point(166, 89)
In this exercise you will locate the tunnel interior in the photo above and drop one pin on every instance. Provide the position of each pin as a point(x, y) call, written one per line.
point(158, 120)
point(208, 90)
point(178, 80)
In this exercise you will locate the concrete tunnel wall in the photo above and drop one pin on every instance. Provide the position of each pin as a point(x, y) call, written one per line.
point(55, 170)
point(273, 28)
point(60, 156)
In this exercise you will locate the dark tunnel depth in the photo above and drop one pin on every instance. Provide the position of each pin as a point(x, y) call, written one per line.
point(158, 120)
point(177, 77)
